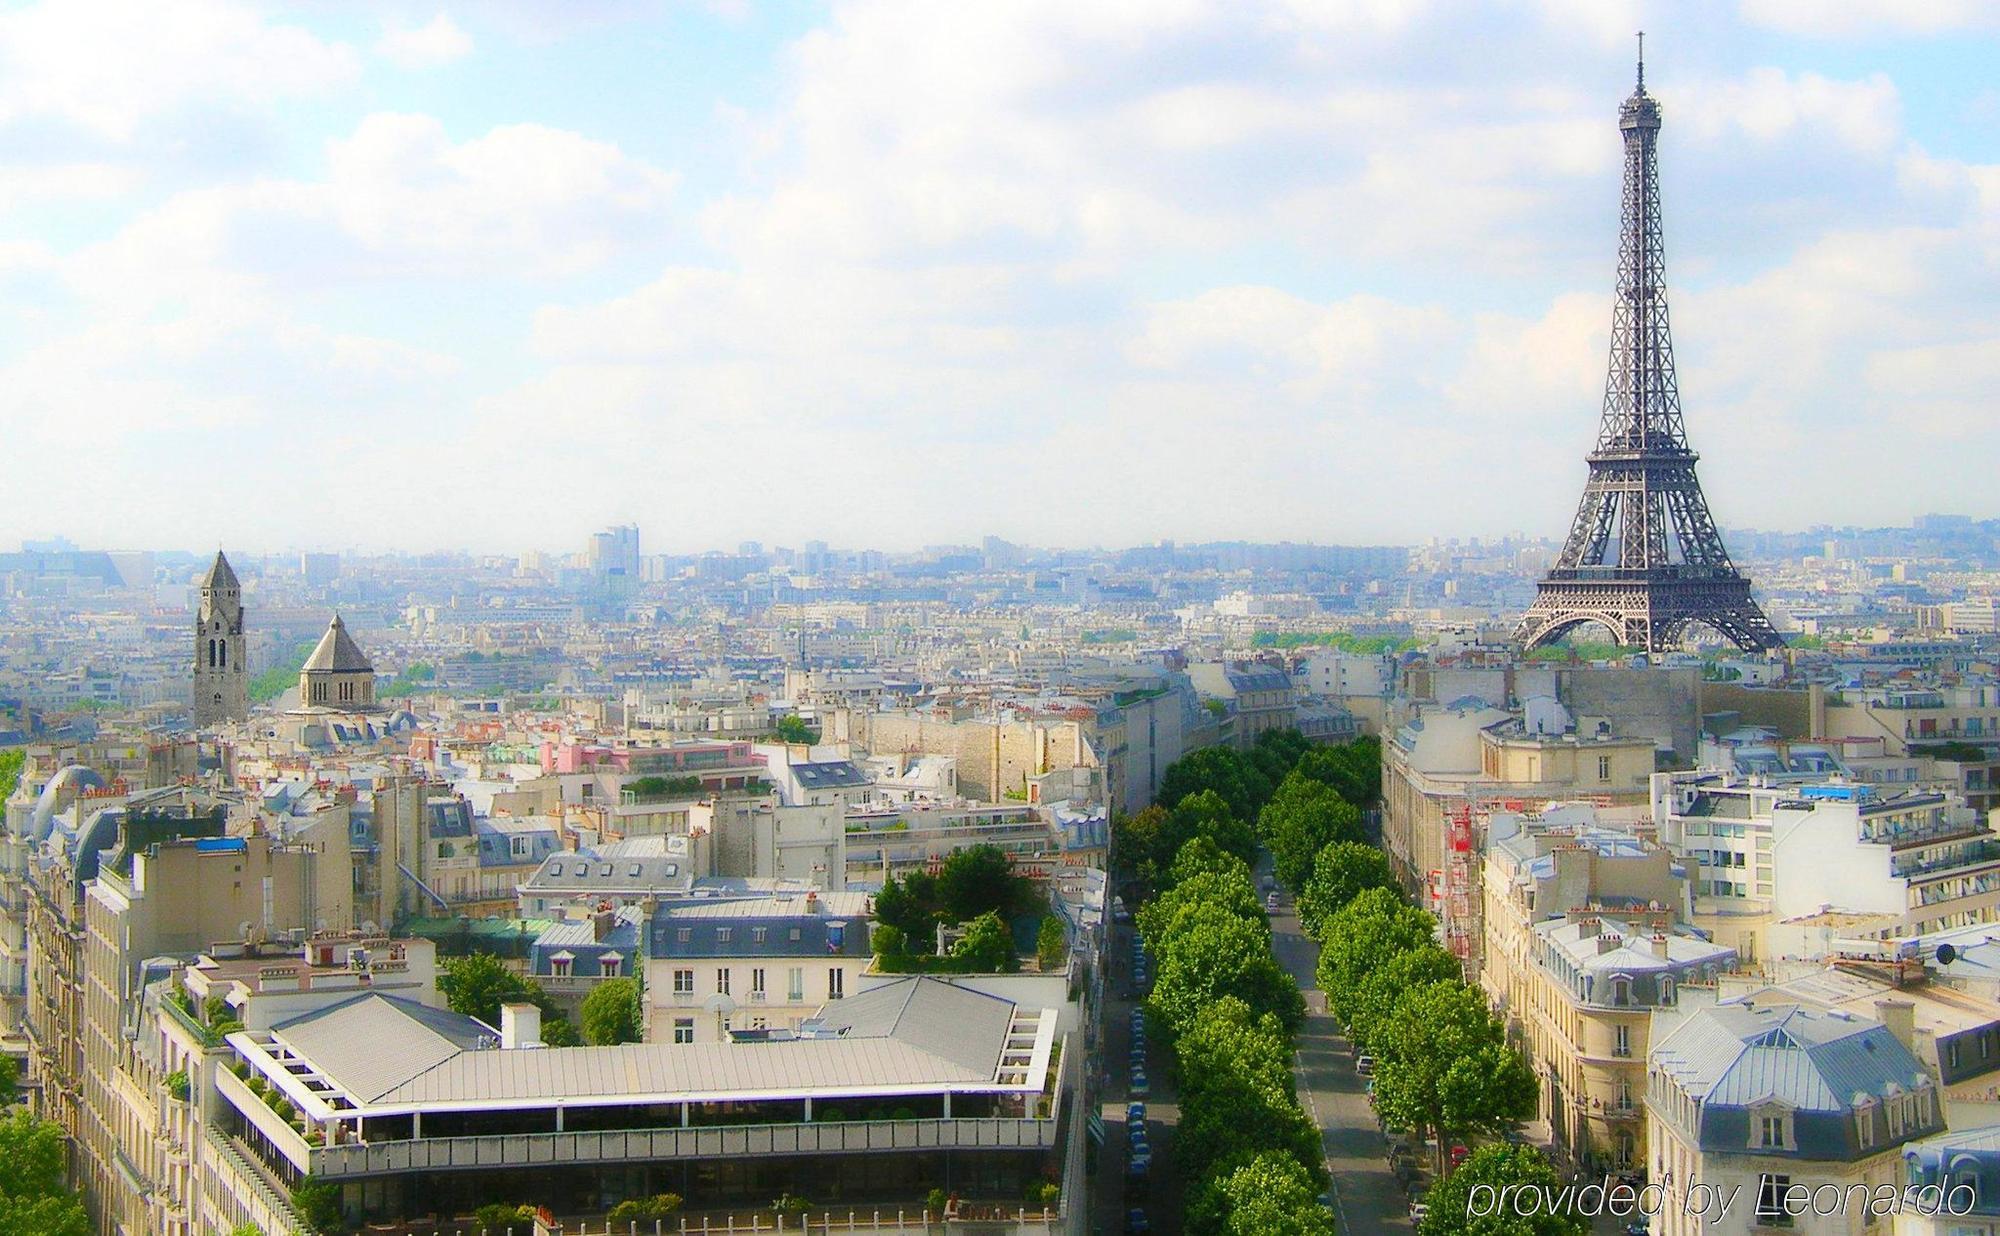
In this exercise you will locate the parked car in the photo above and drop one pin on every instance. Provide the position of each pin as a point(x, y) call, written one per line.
point(1139, 1083)
point(1418, 1211)
point(1364, 1066)
point(1270, 901)
point(1135, 1221)
point(1135, 1113)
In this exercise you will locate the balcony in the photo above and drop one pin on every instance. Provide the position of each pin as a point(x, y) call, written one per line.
point(657, 1145)
point(1957, 859)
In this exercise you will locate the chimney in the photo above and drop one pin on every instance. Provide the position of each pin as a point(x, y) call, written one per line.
point(1587, 927)
point(1901, 1018)
point(812, 901)
point(601, 924)
point(1660, 945)
point(520, 1026)
point(1608, 944)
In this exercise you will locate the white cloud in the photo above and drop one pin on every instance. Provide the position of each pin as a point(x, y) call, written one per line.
point(1852, 18)
point(437, 42)
point(111, 65)
point(399, 199)
point(1771, 106)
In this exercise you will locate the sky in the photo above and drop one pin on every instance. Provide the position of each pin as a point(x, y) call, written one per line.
point(362, 274)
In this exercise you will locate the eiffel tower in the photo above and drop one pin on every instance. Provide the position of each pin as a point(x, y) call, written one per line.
point(1644, 558)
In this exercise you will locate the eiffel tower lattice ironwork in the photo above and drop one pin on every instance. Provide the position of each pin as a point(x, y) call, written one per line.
point(1644, 558)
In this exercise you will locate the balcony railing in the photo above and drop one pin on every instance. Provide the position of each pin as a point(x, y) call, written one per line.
point(1968, 856)
point(654, 1145)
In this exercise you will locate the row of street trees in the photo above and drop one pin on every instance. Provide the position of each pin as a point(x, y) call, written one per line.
point(1442, 1062)
point(1248, 1154)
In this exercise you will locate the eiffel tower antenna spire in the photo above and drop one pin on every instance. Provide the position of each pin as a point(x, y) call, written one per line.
point(1643, 557)
point(1642, 62)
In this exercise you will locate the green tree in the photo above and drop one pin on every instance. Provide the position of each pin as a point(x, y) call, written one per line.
point(1353, 769)
point(1303, 817)
point(987, 947)
point(281, 677)
point(318, 1203)
point(1237, 1098)
point(1138, 845)
point(658, 1206)
point(611, 1013)
point(980, 880)
point(33, 1195)
point(11, 763)
point(246, 1229)
point(1373, 999)
point(1051, 942)
point(1276, 753)
point(1496, 1167)
point(1341, 872)
point(887, 940)
point(1213, 953)
point(10, 1079)
point(1166, 917)
point(1207, 814)
point(1367, 931)
point(1202, 856)
point(559, 1031)
point(1443, 1064)
point(913, 906)
point(793, 728)
point(1220, 770)
point(477, 985)
point(1266, 1194)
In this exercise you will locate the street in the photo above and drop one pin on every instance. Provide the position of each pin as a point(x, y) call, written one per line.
point(1366, 1195)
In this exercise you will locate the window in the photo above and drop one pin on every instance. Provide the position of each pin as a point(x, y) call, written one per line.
point(757, 983)
point(605, 870)
point(517, 846)
point(559, 966)
point(1864, 1124)
point(555, 869)
point(611, 962)
point(634, 871)
point(724, 934)
point(1951, 1054)
point(722, 981)
point(1771, 1131)
point(1666, 989)
point(684, 935)
point(757, 934)
point(1621, 991)
point(1771, 1200)
point(1604, 768)
point(1771, 1128)
point(794, 933)
point(795, 984)
point(836, 981)
point(683, 982)
point(683, 1029)
point(1621, 1042)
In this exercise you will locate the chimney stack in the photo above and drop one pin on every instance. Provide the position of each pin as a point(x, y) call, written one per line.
point(520, 1026)
point(1901, 1018)
point(1660, 945)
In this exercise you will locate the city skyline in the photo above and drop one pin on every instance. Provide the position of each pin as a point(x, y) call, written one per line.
point(1066, 276)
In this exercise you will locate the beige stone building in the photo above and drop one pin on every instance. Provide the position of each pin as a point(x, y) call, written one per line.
point(1581, 944)
point(1446, 755)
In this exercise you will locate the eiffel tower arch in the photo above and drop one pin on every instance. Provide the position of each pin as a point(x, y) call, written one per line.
point(1643, 558)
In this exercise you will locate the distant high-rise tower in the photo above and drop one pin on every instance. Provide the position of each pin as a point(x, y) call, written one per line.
point(1644, 558)
point(221, 677)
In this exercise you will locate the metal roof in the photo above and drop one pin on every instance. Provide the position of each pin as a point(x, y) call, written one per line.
point(914, 1036)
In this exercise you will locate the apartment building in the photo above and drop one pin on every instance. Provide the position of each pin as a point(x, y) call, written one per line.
point(1764, 1097)
point(1582, 939)
point(1774, 856)
point(720, 964)
point(1446, 756)
point(1260, 698)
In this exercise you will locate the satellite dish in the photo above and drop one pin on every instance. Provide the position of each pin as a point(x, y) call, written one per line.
point(1946, 954)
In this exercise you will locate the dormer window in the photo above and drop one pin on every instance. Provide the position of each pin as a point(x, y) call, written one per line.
point(1621, 991)
point(1666, 989)
point(611, 962)
point(1771, 1127)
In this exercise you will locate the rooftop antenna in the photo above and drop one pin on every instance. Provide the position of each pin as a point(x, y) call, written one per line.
point(1642, 62)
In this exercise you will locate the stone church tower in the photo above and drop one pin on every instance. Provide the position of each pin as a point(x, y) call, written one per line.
point(221, 676)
